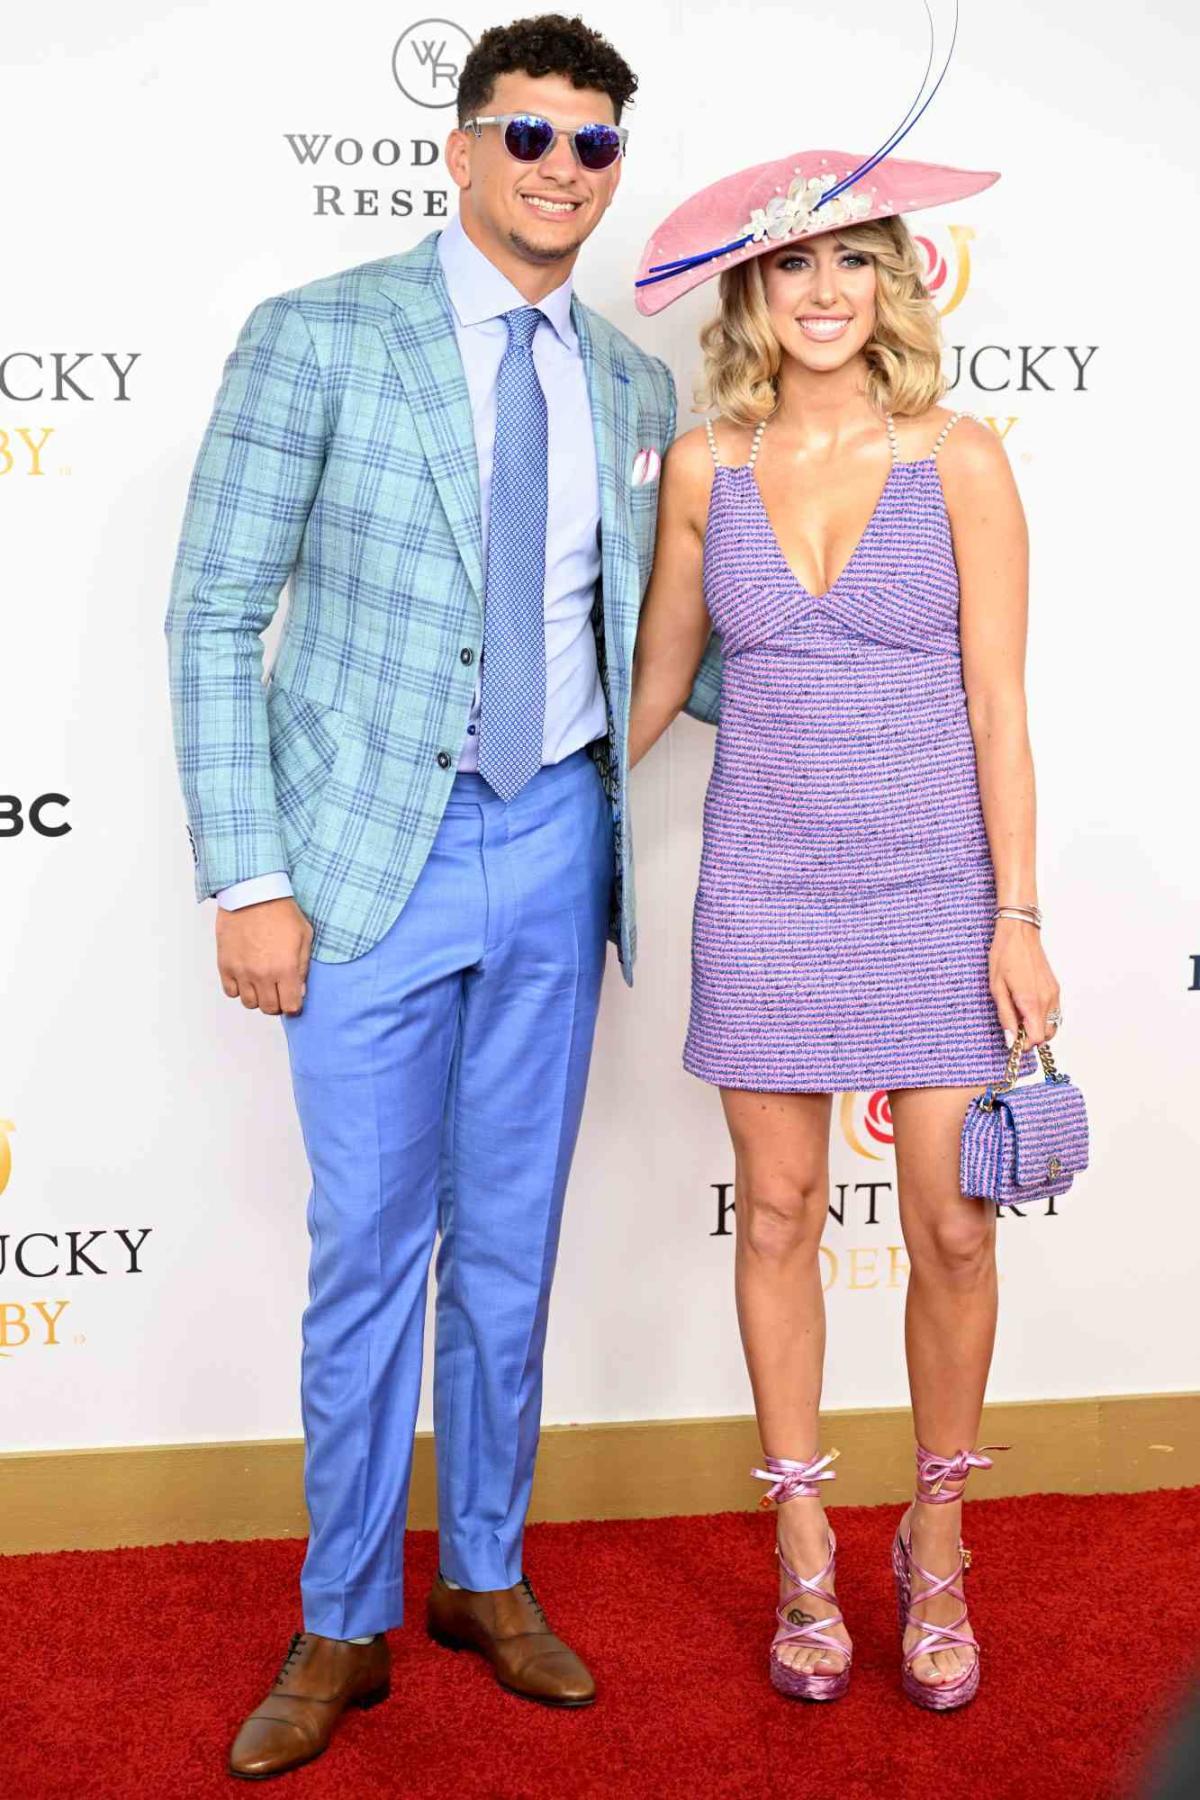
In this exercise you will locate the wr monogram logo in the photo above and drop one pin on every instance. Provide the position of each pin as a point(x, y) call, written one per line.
point(428, 59)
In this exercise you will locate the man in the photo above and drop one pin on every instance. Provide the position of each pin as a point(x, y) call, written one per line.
point(454, 461)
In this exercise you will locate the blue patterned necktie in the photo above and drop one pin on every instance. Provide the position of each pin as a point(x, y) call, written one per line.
point(512, 701)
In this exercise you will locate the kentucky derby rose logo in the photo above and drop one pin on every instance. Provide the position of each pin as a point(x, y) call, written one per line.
point(935, 264)
point(876, 1123)
point(946, 270)
point(878, 1118)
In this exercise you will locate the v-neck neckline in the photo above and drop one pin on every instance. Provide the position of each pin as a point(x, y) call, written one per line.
point(867, 529)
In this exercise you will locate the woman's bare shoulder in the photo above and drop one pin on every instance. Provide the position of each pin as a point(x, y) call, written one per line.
point(733, 444)
point(688, 467)
point(690, 450)
point(957, 439)
point(972, 459)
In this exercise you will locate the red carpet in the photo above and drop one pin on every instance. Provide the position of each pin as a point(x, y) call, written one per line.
point(125, 1672)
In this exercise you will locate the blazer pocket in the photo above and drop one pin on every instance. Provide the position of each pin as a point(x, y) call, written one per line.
point(305, 738)
point(644, 517)
point(643, 510)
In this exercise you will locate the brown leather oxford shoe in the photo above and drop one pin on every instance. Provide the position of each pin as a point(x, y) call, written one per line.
point(319, 1679)
point(509, 1628)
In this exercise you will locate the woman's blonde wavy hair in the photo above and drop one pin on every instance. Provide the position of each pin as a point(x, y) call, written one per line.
point(742, 354)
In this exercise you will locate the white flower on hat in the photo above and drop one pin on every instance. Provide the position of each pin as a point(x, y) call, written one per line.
point(780, 215)
point(798, 213)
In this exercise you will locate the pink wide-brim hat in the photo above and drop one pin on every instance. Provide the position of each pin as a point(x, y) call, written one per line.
point(758, 209)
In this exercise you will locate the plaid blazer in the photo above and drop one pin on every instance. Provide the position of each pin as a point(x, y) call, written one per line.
point(341, 454)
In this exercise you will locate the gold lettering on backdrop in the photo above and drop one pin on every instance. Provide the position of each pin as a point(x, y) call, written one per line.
point(60, 1307)
point(898, 1266)
point(16, 1330)
point(7, 459)
point(6, 1125)
point(35, 450)
point(12, 1318)
point(860, 1269)
point(995, 425)
point(857, 1269)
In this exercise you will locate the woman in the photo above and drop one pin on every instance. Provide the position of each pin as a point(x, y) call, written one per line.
point(867, 910)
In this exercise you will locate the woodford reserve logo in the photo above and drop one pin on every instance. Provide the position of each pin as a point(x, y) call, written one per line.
point(30, 1323)
point(865, 1121)
point(427, 61)
point(383, 174)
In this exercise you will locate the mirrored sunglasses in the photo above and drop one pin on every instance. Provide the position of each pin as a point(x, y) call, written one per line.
point(528, 138)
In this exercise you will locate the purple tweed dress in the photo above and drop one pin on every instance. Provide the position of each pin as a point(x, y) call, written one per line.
point(845, 906)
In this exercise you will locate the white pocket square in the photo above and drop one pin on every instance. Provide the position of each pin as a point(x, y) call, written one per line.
point(646, 465)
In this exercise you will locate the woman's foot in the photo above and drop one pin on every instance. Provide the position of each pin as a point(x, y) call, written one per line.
point(940, 1658)
point(932, 1534)
point(810, 1652)
point(805, 1544)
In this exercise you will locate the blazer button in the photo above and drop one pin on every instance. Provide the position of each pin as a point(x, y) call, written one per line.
point(443, 761)
point(466, 655)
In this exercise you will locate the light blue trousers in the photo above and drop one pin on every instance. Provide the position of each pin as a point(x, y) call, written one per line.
point(440, 1080)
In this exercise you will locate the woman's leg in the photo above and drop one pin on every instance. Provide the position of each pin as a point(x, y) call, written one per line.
point(781, 1149)
point(949, 1324)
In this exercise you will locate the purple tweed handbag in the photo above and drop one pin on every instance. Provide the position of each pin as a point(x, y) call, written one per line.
point(1024, 1143)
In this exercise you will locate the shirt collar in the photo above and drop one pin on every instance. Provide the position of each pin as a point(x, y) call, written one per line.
point(478, 291)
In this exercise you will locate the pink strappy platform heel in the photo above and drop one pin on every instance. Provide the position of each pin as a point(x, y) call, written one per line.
point(940, 1480)
point(798, 1480)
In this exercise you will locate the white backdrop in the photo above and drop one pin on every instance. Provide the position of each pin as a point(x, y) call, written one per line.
point(158, 199)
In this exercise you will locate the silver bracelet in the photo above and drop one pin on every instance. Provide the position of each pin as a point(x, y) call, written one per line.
point(1028, 915)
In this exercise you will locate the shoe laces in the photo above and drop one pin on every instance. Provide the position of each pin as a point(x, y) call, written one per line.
point(941, 1479)
point(794, 1480)
point(535, 1602)
point(293, 1650)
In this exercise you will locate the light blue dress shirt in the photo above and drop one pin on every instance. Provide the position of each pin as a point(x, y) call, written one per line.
point(575, 707)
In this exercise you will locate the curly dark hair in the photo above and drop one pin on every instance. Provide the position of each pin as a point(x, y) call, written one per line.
point(550, 44)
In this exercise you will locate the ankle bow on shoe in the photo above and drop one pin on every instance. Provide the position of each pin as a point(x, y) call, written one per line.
point(794, 1480)
point(941, 1479)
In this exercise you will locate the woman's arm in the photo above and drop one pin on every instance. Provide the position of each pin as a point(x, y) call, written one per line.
point(674, 629)
point(992, 551)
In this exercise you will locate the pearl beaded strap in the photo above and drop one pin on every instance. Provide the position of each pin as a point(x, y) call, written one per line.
point(754, 447)
point(947, 428)
point(892, 440)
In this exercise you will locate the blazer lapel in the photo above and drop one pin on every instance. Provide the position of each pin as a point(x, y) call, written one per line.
point(611, 393)
point(420, 340)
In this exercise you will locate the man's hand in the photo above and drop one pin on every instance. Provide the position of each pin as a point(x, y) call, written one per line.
point(263, 953)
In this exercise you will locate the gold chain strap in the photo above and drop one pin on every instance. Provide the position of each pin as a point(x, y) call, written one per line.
point(1014, 1064)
